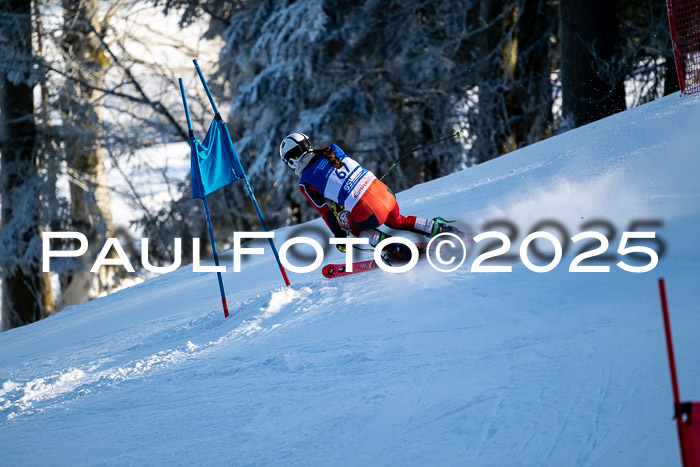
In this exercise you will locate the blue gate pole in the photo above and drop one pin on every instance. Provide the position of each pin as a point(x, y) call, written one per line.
point(243, 175)
point(204, 201)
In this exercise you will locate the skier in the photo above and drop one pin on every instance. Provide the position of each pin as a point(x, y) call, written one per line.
point(349, 197)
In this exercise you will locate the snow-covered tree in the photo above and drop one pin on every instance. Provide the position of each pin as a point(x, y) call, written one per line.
point(102, 93)
point(26, 290)
point(377, 77)
point(81, 109)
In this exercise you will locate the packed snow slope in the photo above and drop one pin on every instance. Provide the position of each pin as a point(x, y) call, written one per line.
point(463, 368)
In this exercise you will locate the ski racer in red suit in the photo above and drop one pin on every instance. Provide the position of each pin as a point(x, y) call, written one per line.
point(349, 197)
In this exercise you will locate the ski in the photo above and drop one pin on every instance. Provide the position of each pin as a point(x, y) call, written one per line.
point(338, 269)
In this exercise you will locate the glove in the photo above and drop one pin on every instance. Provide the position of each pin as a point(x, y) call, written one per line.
point(336, 208)
point(340, 247)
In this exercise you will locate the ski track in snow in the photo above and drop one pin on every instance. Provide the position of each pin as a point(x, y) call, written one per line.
point(57, 388)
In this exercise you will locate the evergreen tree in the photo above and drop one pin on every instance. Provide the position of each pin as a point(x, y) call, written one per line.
point(492, 70)
point(26, 290)
point(530, 105)
point(647, 53)
point(377, 77)
point(591, 68)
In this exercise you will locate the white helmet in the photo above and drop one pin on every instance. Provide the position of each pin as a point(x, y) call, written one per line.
point(293, 147)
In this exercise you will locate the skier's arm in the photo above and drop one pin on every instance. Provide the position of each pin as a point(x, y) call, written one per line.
point(319, 202)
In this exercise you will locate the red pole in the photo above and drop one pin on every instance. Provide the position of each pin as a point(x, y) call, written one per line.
point(674, 377)
point(669, 343)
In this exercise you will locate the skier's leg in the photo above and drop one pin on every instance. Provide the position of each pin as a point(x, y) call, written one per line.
point(359, 219)
point(370, 211)
point(419, 225)
point(364, 229)
point(373, 236)
point(414, 224)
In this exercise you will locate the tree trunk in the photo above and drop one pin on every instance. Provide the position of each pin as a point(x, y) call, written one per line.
point(90, 200)
point(531, 103)
point(671, 84)
point(489, 125)
point(670, 75)
point(592, 80)
point(26, 291)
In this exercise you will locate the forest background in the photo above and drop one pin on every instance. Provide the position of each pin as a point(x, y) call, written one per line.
point(86, 85)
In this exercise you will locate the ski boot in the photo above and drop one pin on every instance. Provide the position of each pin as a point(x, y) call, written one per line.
point(396, 253)
point(440, 225)
point(374, 236)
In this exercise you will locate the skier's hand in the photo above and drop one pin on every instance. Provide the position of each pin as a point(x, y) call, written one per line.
point(340, 248)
